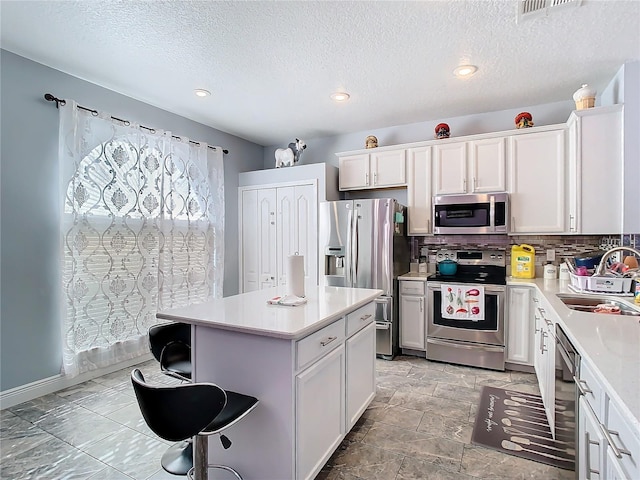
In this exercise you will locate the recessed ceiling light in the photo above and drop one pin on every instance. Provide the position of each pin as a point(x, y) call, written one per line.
point(201, 92)
point(340, 96)
point(464, 71)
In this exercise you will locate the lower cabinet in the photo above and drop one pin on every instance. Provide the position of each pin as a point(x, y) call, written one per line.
point(590, 443)
point(334, 387)
point(320, 425)
point(361, 373)
point(608, 448)
point(413, 315)
point(544, 360)
point(520, 329)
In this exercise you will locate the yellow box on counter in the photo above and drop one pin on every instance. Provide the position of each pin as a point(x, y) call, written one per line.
point(523, 261)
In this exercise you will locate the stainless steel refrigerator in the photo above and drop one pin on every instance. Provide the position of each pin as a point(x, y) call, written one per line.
point(362, 244)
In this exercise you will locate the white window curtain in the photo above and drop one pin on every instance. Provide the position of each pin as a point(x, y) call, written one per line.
point(142, 229)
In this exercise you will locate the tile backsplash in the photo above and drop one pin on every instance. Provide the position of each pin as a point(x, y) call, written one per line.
point(564, 245)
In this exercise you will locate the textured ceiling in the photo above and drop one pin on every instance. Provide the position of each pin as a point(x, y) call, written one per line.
point(271, 65)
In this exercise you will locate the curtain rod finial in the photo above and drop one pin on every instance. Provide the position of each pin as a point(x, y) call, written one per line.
point(50, 98)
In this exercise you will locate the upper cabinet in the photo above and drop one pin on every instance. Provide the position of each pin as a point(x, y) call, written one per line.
point(378, 169)
point(476, 166)
point(537, 182)
point(595, 170)
point(419, 191)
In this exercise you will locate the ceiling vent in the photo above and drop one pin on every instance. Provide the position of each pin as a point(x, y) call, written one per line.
point(528, 9)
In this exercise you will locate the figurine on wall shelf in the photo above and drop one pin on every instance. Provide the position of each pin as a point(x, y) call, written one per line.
point(442, 130)
point(287, 157)
point(524, 120)
point(371, 142)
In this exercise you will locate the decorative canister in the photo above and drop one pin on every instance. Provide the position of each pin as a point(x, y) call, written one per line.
point(442, 130)
point(524, 120)
point(585, 97)
point(371, 142)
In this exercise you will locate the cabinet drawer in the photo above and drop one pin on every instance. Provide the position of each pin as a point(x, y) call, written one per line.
point(360, 318)
point(320, 343)
point(624, 440)
point(411, 287)
point(593, 391)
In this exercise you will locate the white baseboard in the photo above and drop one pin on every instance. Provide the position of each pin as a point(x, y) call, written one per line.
point(25, 393)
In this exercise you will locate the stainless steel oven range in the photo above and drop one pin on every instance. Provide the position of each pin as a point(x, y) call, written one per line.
point(460, 329)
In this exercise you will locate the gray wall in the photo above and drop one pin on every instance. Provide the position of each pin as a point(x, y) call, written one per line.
point(29, 209)
point(324, 149)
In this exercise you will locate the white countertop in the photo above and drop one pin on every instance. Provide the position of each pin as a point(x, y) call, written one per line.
point(610, 344)
point(415, 276)
point(249, 312)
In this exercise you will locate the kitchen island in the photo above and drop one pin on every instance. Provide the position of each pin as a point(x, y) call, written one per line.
point(312, 368)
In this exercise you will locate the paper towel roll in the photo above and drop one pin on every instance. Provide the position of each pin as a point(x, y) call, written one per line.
point(295, 275)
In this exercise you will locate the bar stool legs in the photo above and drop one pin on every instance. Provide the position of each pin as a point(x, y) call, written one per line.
point(200, 470)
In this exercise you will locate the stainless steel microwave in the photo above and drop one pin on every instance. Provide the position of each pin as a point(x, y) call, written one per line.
point(471, 214)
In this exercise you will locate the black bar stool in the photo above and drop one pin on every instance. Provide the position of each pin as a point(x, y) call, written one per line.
point(177, 413)
point(170, 345)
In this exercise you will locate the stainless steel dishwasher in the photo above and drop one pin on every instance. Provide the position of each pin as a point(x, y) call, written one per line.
point(567, 391)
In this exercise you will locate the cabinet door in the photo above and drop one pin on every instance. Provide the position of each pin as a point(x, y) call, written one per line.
point(306, 228)
point(297, 229)
point(320, 408)
point(249, 228)
point(388, 168)
point(536, 182)
point(614, 468)
point(285, 230)
point(520, 327)
point(450, 168)
point(419, 191)
point(596, 162)
point(412, 322)
point(361, 373)
point(267, 237)
point(354, 172)
point(591, 444)
point(487, 162)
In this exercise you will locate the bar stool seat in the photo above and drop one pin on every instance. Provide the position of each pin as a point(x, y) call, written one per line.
point(177, 413)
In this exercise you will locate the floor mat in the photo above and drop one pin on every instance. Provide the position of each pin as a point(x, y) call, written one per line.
point(515, 423)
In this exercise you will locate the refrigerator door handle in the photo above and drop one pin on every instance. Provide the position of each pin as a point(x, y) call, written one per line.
point(349, 250)
point(356, 232)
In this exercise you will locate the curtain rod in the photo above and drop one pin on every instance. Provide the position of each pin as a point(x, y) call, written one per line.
point(59, 101)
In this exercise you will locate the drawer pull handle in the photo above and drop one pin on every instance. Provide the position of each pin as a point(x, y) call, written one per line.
point(326, 342)
point(583, 388)
point(617, 451)
point(364, 317)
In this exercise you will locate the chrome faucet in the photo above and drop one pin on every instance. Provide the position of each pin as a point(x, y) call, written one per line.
point(603, 262)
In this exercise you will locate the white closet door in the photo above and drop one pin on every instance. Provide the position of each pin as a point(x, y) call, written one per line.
point(267, 237)
point(286, 236)
point(306, 231)
point(249, 235)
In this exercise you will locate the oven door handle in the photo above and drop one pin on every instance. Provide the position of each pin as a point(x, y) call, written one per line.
point(488, 348)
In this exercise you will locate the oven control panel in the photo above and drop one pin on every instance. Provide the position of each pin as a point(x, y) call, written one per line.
point(473, 257)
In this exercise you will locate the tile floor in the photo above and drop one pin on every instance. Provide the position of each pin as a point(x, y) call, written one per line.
point(418, 427)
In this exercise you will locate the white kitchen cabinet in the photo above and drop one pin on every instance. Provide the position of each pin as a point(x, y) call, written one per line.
point(419, 191)
point(544, 361)
point(277, 222)
point(595, 170)
point(537, 182)
point(361, 373)
point(606, 442)
point(475, 166)
point(590, 444)
point(320, 421)
point(378, 169)
point(413, 314)
point(520, 328)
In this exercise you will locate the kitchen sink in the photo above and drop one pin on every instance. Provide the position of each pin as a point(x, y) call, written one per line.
point(589, 303)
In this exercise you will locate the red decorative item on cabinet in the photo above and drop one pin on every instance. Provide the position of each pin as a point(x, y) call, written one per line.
point(442, 130)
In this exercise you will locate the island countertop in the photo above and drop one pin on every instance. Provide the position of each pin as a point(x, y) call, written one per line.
point(250, 313)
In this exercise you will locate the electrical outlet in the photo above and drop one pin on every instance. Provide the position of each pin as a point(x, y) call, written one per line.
point(551, 255)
